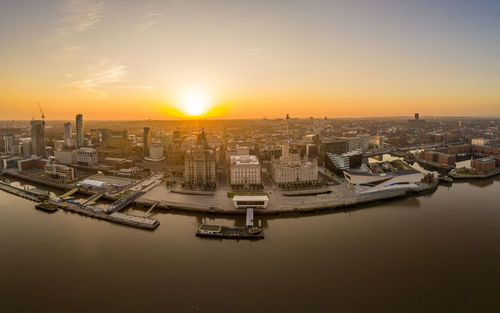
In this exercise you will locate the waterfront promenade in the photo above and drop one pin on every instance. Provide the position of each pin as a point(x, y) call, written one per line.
point(336, 197)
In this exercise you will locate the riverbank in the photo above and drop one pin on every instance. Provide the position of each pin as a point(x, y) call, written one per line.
point(347, 199)
point(458, 175)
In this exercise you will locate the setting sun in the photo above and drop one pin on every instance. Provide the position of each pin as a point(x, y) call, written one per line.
point(194, 102)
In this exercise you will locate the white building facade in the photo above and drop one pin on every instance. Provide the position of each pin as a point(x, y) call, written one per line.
point(87, 157)
point(67, 157)
point(245, 169)
point(291, 168)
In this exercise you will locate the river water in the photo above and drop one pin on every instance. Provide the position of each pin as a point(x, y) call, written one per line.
point(432, 253)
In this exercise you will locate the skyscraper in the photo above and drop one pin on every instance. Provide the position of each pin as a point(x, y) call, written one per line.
point(79, 131)
point(38, 137)
point(68, 130)
point(146, 139)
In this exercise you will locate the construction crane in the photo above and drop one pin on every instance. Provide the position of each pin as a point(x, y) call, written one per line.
point(40, 106)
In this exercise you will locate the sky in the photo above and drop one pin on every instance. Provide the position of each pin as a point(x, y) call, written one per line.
point(248, 59)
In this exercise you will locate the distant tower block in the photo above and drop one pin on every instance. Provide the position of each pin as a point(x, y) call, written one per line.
point(146, 139)
point(287, 123)
point(417, 116)
point(79, 131)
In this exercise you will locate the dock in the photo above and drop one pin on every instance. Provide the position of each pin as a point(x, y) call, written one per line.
point(23, 193)
point(96, 212)
point(230, 232)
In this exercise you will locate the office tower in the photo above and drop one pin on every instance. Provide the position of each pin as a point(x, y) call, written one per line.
point(68, 130)
point(38, 137)
point(199, 167)
point(26, 148)
point(79, 131)
point(146, 139)
point(9, 142)
point(199, 164)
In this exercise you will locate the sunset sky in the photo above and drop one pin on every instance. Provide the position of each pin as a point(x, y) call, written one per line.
point(248, 59)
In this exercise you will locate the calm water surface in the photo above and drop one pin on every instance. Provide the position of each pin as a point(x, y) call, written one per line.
point(433, 253)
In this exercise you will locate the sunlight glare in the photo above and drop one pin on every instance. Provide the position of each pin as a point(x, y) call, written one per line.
point(194, 102)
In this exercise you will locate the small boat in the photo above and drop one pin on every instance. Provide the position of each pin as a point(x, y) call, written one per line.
point(47, 207)
point(445, 179)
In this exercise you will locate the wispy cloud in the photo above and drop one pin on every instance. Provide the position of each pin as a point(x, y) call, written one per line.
point(79, 16)
point(95, 81)
point(148, 21)
point(144, 26)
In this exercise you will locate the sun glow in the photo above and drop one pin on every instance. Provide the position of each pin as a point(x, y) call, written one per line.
point(194, 102)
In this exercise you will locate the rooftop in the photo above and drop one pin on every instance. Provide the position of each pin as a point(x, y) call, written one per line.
point(244, 159)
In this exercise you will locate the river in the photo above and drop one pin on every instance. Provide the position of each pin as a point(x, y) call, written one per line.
point(433, 253)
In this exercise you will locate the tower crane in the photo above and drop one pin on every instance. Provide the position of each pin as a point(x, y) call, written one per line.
point(40, 106)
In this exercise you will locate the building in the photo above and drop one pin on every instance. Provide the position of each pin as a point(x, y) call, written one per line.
point(336, 146)
point(38, 138)
point(416, 122)
point(116, 144)
point(387, 176)
point(376, 141)
point(439, 157)
point(290, 168)
point(245, 170)
point(59, 145)
point(59, 171)
point(480, 141)
point(87, 157)
point(11, 145)
point(155, 153)
point(483, 165)
point(35, 162)
point(68, 131)
point(26, 147)
point(199, 167)
point(233, 150)
point(10, 162)
point(118, 163)
point(79, 131)
point(244, 202)
point(66, 157)
point(340, 163)
point(146, 140)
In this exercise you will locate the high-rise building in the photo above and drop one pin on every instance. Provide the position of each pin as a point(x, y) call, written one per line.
point(38, 138)
point(26, 147)
point(68, 130)
point(199, 164)
point(10, 145)
point(199, 167)
point(146, 140)
point(79, 131)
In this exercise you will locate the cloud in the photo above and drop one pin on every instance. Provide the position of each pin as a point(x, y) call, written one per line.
point(95, 81)
point(79, 16)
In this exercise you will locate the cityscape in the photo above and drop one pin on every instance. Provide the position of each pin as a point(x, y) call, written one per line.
point(186, 156)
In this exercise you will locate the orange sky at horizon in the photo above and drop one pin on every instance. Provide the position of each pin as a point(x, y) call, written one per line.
point(125, 60)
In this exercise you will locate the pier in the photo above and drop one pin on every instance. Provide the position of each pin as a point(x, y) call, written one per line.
point(123, 202)
point(23, 193)
point(232, 232)
point(148, 213)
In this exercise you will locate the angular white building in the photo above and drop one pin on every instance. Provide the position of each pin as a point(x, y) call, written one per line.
point(245, 169)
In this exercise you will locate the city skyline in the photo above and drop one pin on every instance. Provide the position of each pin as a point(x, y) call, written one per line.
point(179, 59)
